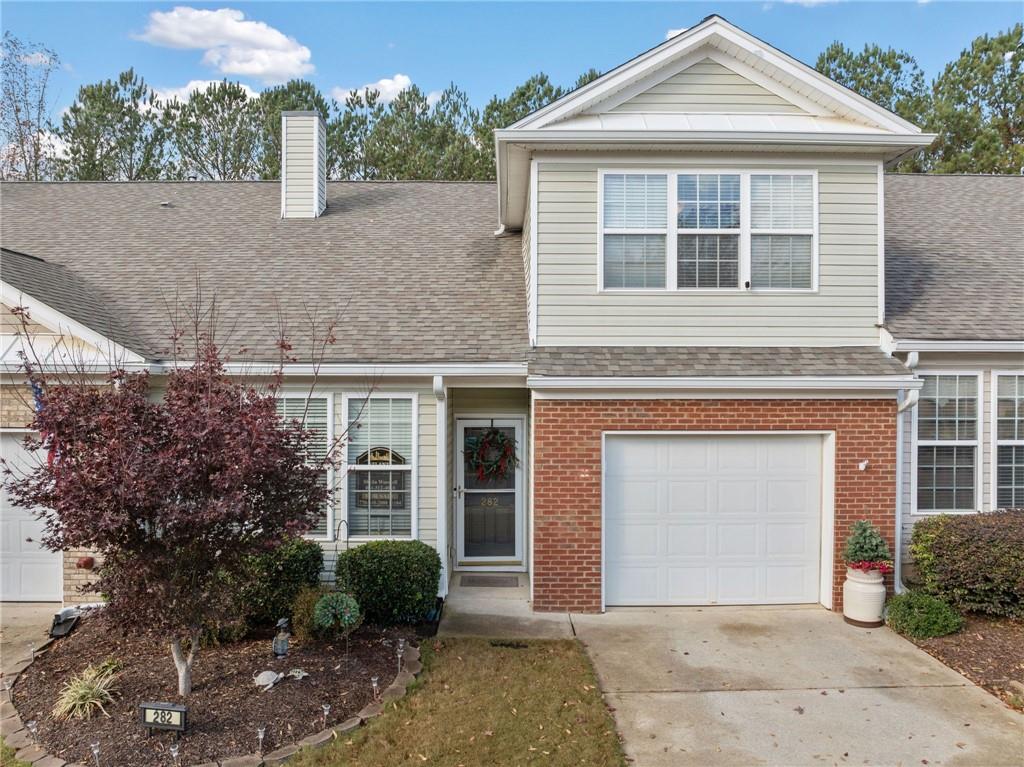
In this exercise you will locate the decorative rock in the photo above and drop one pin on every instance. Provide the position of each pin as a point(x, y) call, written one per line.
point(404, 678)
point(371, 710)
point(347, 725)
point(204, 764)
point(318, 739)
point(50, 761)
point(1017, 687)
point(11, 725)
point(394, 692)
point(30, 754)
point(411, 653)
point(414, 667)
point(252, 760)
point(281, 755)
point(19, 739)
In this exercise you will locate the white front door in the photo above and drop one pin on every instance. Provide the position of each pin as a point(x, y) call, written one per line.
point(489, 509)
point(28, 572)
point(698, 520)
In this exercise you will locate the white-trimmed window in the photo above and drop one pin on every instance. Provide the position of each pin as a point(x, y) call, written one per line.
point(314, 413)
point(948, 443)
point(635, 222)
point(381, 460)
point(733, 230)
point(708, 230)
point(781, 231)
point(1009, 437)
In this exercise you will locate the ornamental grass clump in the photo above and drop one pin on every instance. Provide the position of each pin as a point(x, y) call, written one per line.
point(866, 549)
point(87, 692)
point(337, 614)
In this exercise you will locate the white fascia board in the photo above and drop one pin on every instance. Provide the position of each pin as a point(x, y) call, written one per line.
point(913, 345)
point(62, 324)
point(735, 383)
point(383, 370)
point(680, 45)
point(541, 137)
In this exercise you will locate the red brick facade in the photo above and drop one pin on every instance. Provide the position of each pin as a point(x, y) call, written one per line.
point(567, 475)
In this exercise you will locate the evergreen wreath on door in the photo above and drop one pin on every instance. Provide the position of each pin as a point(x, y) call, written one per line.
point(492, 455)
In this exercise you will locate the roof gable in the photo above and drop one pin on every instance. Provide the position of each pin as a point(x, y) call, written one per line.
point(737, 51)
point(706, 86)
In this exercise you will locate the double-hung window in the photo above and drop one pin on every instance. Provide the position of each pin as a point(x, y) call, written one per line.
point(381, 466)
point(313, 413)
point(733, 230)
point(1009, 428)
point(781, 231)
point(947, 443)
point(708, 230)
point(635, 226)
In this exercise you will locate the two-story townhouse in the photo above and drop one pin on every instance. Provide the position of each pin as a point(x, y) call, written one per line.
point(713, 330)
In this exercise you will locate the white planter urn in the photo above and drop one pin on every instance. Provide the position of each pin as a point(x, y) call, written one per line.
point(863, 598)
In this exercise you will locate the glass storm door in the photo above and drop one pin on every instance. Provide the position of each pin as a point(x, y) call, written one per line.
point(489, 506)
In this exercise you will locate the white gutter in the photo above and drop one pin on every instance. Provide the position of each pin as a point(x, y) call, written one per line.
point(905, 402)
point(524, 136)
point(915, 345)
point(513, 369)
point(894, 382)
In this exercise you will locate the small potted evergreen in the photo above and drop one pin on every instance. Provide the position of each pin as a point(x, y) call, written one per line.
point(867, 561)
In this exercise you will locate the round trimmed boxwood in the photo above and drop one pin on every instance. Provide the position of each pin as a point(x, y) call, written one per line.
point(921, 616)
point(393, 581)
point(273, 580)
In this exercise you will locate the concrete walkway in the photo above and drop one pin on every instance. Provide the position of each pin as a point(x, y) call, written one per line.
point(22, 623)
point(499, 612)
point(787, 686)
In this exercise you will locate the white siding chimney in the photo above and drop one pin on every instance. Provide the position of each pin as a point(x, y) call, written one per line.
point(303, 164)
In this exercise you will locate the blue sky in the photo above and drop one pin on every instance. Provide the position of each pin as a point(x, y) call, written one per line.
point(484, 47)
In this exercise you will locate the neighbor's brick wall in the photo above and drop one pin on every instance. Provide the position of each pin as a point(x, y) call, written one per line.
point(567, 475)
point(15, 405)
point(75, 579)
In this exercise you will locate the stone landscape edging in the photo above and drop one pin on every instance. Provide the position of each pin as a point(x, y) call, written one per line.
point(27, 750)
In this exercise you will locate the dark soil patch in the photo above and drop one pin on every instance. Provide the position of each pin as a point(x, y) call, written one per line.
point(225, 707)
point(988, 651)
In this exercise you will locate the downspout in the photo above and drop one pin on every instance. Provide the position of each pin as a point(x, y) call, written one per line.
point(906, 400)
point(441, 452)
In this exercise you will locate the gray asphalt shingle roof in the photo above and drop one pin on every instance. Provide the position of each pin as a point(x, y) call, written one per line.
point(954, 257)
point(683, 362)
point(412, 270)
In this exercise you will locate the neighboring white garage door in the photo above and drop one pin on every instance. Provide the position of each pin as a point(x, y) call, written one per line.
point(698, 520)
point(28, 572)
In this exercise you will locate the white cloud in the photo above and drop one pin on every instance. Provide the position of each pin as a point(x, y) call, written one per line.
point(184, 92)
point(387, 87)
point(673, 32)
point(231, 43)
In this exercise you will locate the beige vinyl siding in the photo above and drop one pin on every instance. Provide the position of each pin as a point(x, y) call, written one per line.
point(299, 166)
point(527, 261)
point(571, 310)
point(707, 86)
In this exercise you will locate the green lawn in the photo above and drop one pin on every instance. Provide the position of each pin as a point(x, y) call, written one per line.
point(481, 704)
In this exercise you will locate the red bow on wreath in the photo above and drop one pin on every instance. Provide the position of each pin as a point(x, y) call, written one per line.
point(491, 455)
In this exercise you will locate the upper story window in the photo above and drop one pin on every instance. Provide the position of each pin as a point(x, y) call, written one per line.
point(635, 227)
point(733, 231)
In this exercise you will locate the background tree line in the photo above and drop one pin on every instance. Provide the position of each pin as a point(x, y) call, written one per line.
point(120, 129)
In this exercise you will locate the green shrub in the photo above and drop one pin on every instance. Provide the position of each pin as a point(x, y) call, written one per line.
point(303, 625)
point(274, 579)
point(973, 561)
point(866, 544)
point(922, 616)
point(393, 581)
point(86, 693)
point(337, 614)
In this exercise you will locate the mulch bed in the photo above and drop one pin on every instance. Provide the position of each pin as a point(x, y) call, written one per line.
point(988, 651)
point(225, 707)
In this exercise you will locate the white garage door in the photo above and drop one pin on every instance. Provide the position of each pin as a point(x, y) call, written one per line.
point(698, 520)
point(28, 572)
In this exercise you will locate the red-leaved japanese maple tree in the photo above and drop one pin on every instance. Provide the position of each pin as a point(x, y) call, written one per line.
point(175, 489)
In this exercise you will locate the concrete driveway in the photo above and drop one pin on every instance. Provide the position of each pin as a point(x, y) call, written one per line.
point(787, 686)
